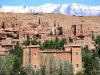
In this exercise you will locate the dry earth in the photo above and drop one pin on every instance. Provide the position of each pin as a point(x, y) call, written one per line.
point(20, 20)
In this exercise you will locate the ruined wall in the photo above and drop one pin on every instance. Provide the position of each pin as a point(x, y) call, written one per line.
point(84, 29)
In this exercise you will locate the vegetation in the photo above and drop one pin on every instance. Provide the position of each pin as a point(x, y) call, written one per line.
point(48, 44)
point(53, 44)
point(61, 68)
point(90, 64)
point(29, 70)
point(17, 52)
point(12, 63)
point(79, 73)
point(43, 69)
point(6, 64)
point(91, 59)
point(31, 42)
point(53, 66)
point(66, 68)
point(27, 42)
point(97, 40)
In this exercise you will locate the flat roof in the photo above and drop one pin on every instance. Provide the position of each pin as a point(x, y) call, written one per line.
point(73, 45)
point(54, 51)
point(7, 44)
point(32, 46)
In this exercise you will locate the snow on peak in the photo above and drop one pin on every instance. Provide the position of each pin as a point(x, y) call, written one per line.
point(70, 9)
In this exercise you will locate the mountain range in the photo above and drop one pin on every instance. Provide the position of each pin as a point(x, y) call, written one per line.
point(69, 9)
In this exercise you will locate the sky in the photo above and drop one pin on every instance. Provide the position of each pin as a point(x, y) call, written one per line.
point(41, 2)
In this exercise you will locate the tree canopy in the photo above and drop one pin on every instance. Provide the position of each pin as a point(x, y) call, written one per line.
point(53, 44)
point(91, 60)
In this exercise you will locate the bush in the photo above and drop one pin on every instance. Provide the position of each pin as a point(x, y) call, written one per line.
point(31, 42)
point(79, 73)
point(53, 44)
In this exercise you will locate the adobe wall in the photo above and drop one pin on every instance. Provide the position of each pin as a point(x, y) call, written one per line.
point(3, 51)
point(25, 57)
point(58, 56)
point(51, 37)
point(85, 28)
point(76, 59)
point(35, 57)
point(86, 41)
point(31, 56)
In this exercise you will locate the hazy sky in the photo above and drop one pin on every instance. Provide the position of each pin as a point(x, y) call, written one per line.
point(41, 2)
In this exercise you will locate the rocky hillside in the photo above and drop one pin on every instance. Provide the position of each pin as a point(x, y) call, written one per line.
point(27, 20)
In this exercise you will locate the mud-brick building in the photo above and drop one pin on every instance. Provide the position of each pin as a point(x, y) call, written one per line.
point(71, 53)
point(82, 35)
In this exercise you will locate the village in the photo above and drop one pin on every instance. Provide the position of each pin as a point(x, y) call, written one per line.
point(77, 36)
point(49, 37)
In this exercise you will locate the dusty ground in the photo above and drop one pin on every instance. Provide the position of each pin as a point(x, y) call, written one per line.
point(63, 20)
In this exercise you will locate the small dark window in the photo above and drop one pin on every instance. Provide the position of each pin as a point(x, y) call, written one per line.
point(34, 54)
point(33, 37)
point(78, 29)
point(77, 65)
point(35, 66)
point(76, 53)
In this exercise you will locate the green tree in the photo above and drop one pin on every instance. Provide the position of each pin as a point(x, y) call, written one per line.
point(27, 42)
point(35, 42)
point(6, 64)
point(97, 70)
point(85, 50)
point(98, 51)
point(51, 44)
point(37, 72)
point(97, 40)
point(43, 69)
point(17, 52)
point(53, 66)
point(97, 45)
point(89, 66)
point(57, 45)
point(56, 39)
point(66, 68)
point(63, 41)
point(79, 73)
point(29, 70)
point(42, 47)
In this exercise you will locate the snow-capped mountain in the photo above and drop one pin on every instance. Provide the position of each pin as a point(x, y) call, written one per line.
point(69, 9)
